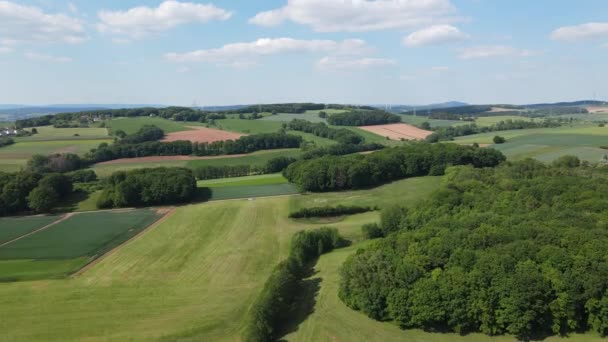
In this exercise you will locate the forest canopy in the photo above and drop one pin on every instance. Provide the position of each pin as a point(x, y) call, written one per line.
point(519, 249)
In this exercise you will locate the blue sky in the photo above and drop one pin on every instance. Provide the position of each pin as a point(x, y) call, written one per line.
point(339, 51)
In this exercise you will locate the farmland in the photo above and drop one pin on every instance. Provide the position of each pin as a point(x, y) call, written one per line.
point(68, 244)
point(202, 135)
point(398, 131)
point(184, 279)
point(548, 144)
point(248, 187)
point(132, 125)
point(14, 227)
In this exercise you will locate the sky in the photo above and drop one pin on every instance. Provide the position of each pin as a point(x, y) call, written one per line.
point(330, 51)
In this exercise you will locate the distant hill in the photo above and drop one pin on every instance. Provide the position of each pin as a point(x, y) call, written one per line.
point(408, 108)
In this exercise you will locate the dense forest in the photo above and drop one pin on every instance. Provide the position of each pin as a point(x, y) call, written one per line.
point(30, 191)
point(450, 132)
point(143, 187)
point(331, 173)
point(363, 118)
point(519, 249)
point(341, 135)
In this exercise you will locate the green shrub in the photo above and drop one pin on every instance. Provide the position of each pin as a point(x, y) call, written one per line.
point(329, 211)
point(372, 231)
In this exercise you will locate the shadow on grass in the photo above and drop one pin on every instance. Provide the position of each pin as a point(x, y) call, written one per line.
point(303, 307)
point(70, 203)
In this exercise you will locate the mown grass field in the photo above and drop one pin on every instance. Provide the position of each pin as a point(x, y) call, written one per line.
point(275, 178)
point(69, 244)
point(248, 126)
point(132, 125)
point(248, 187)
point(547, 144)
point(46, 133)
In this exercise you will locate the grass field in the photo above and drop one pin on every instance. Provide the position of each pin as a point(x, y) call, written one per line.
point(311, 115)
point(46, 133)
point(132, 125)
point(69, 244)
point(417, 120)
point(248, 126)
point(547, 144)
point(14, 227)
point(275, 178)
point(492, 120)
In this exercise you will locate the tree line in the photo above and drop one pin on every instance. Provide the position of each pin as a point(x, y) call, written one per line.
point(273, 306)
point(341, 135)
point(363, 118)
point(331, 173)
point(519, 249)
point(6, 142)
point(144, 187)
point(340, 150)
point(339, 210)
point(274, 165)
point(30, 191)
point(450, 132)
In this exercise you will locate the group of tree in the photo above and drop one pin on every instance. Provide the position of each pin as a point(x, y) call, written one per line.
point(519, 249)
point(245, 144)
point(363, 118)
point(320, 129)
point(451, 132)
point(339, 210)
point(273, 306)
point(144, 187)
point(274, 165)
point(6, 141)
point(58, 162)
point(291, 108)
point(30, 191)
point(331, 173)
point(340, 150)
point(144, 134)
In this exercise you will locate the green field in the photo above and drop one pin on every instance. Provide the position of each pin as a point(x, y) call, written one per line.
point(68, 245)
point(547, 144)
point(312, 116)
point(492, 120)
point(418, 120)
point(275, 178)
point(14, 227)
point(248, 126)
point(259, 158)
point(132, 125)
point(46, 133)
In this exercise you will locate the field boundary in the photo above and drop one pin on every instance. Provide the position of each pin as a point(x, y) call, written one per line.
point(65, 217)
point(97, 259)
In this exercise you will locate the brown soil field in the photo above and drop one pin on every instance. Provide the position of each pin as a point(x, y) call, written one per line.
point(398, 131)
point(156, 159)
point(202, 134)
point(594, 110)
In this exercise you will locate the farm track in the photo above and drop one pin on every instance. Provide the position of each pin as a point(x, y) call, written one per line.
point(65, 217)
point(95, 261)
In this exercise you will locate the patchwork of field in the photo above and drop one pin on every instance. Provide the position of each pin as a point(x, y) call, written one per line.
point(202, 135)
point(259, 158)
point(398, 131)
point(53, 247)
point(548, 144)
point(418, 120)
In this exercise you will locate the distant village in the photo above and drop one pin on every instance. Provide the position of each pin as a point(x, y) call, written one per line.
point(8, 132)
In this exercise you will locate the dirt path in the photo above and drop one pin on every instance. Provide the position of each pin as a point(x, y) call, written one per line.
point(166, 211)
point(65, 217)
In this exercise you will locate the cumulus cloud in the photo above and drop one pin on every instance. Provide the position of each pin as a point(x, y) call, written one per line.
point(491, 51)
point(243, 52)
point(437, 34)
point(581, 32)
point(38, 57)
point(360, 15)
point(338, 64)
point(29, 24)
point(139, 22)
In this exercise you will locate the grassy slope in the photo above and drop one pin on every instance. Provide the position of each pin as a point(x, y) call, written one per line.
point(547, 144)
point(132, 125)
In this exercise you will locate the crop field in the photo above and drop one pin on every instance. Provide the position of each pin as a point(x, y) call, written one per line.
point(248, 126)
point(14, 227)
point(547, 144)
point(492, 120)
point(69, 243)
point(398, 131)
point(132, 125)
point(202, 135)
point(46, 133)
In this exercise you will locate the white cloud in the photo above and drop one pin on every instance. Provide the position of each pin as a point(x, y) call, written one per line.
point(440, 69)
point(5, 49)
point(242, 53)
point(360, 15)
point(38, 57)
point(581, 32)
point(336, 64)
point(142, 21)
point(73, 9)
point(437, 34)
point(490, 51)
point(28, 24)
